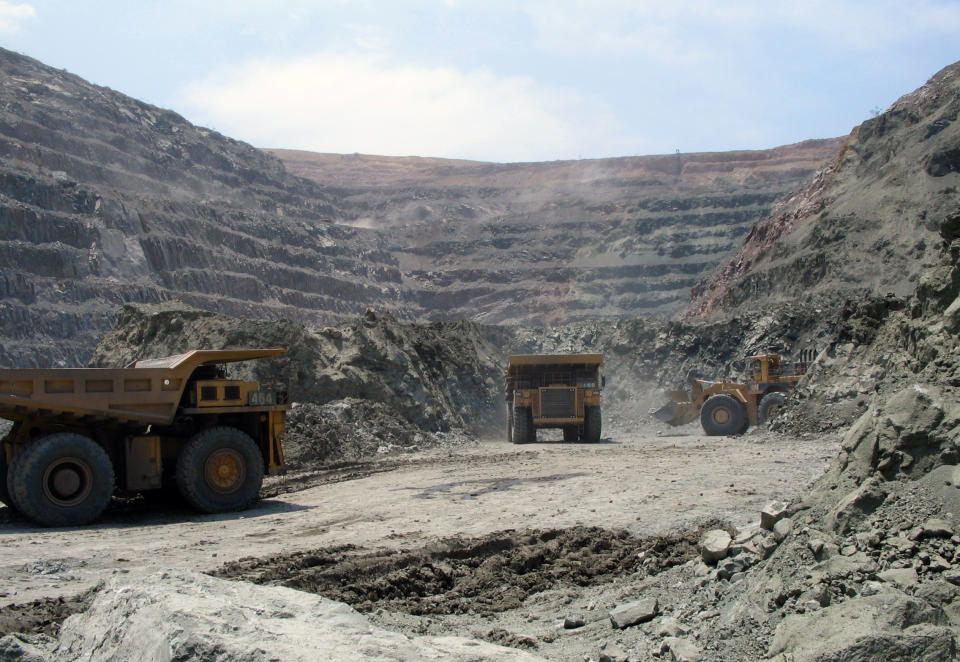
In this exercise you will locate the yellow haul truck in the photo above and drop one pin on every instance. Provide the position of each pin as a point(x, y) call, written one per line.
point(79, 433)
point(554, 391)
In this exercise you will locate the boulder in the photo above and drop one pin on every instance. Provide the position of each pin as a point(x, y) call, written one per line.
point(772, 513)
point(188, 615)
point(901, 577)
point(715, 545)
point(856, 506)
point(782, 529)
point(937, 528)
point(887, 625)
point(634, 613)
point(19, 647)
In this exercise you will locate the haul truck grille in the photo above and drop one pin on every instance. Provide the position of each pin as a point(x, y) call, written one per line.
point(558, 402)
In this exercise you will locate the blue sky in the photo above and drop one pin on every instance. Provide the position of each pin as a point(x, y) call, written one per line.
point(500, 80)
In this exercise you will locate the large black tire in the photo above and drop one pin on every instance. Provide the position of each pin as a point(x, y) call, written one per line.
point(523, 430)
point(571, 433)
point(219, 470)
point(769, 405)
point(592, 424)
point(723, 414)
point(4, 491)
point(63, 479)
point(509, 423)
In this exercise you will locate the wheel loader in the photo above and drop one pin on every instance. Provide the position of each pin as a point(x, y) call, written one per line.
point(554, 391)
point(729, 408)
point(81, 434)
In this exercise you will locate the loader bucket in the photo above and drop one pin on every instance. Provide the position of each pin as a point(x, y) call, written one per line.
point(678, 411)
point(667, 412)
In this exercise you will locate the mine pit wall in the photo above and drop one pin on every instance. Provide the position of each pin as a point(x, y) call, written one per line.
point(106, 200)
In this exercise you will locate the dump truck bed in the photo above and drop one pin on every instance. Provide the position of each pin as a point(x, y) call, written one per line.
point(147, 391)
point(519, 361)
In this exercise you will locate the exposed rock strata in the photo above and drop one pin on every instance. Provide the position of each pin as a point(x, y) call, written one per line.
point(105, 200)
point(867, 225)
point(549, 243)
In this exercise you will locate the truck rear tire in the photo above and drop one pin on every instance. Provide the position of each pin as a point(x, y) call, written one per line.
point(219, 470)
point(592, 424)
point(4, 490)
point(769, 405)
point(723, 414)
point(63, 479)
point(523, 430)
point(571, 433)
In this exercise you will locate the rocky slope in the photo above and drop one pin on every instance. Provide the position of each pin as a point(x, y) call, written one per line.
point(105, 200)
point(551, 243)
point(867, 225)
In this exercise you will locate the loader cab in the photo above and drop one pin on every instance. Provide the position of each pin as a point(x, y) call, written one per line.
point(764, 368)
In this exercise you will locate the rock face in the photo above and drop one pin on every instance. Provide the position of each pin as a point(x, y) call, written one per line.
point(550, 243)
point(105, 200)
point(867, 225)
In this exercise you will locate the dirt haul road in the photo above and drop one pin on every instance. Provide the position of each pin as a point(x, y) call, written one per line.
point(648, 485)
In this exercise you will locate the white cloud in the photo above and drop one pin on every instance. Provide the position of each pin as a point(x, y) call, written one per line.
point(361, 102)
point(13, 15)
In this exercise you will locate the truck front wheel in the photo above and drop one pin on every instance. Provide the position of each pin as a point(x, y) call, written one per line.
point(723, 415)
point(219, 470)
point(523, 430)
point(62, 479)
point(592, 424)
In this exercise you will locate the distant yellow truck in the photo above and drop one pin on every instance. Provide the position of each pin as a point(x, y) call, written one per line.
point(79, 434)
point(554, 391)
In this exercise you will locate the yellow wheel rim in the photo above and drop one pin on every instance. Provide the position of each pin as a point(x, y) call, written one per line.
point(225, 470)
point(721, 415)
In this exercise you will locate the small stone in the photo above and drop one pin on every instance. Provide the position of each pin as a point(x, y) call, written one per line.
point(682, 650)
point(815, 546)
point(772, 513)
point(633, 613)
point(671, 627)
point(746, 535)
point(900, 544)
point(782, 529)
point(871, 588)
point(811, 605)
point(900, 577)
point(611, 653)
point(938, 563)
point(766, 545)
point(937, 528)
point(952, 576)
point(574, 621)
